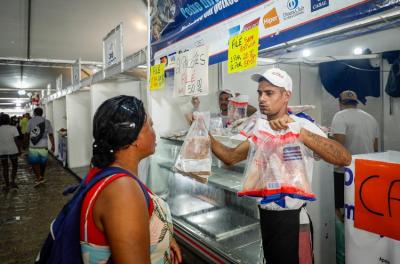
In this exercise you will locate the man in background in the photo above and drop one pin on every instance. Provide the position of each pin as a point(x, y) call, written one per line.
point(358, 132)
point(23, 123)
point(39, 129)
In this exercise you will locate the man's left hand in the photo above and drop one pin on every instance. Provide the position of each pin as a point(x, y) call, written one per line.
point(281, 123)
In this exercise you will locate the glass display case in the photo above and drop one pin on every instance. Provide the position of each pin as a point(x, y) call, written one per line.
point(208, 218)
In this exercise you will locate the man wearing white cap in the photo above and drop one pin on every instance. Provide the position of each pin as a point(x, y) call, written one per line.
point(280, 226)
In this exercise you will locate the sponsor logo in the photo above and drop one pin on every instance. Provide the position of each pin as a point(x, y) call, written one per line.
point(318, 4)
point(294, 8)
point(271, 19)
point(292, 4)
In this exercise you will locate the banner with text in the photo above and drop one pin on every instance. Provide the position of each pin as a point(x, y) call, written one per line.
point(177, 26)
point(113, 47)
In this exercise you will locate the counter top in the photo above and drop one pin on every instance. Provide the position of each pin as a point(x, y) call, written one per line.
point(228, 178)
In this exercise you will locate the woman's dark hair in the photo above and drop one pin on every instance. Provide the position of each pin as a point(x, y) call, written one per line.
point(116, 124)
point(4, 119)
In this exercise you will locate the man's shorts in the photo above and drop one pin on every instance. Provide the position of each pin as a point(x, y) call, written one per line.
point(38, 156)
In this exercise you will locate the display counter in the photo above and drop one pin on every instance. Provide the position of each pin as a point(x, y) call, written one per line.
point(208, 218)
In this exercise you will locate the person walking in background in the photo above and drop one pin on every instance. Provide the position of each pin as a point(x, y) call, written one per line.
point(39, 129)
point(23, 123)
point(9, 150)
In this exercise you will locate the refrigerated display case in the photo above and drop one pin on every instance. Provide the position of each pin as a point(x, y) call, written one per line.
point(208, 218)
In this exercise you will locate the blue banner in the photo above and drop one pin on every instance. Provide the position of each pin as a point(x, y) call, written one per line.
point(180, 25)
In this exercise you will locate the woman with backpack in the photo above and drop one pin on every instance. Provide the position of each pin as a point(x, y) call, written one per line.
point(120, 217)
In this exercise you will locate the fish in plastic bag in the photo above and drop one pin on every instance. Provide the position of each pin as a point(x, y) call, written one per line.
point(237, 108)
point(276, 166)
point(194, 159)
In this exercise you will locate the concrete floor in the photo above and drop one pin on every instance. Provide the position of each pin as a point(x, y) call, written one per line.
point(26, 213)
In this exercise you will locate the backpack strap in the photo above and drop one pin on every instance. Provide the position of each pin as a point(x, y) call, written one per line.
point(116, 170)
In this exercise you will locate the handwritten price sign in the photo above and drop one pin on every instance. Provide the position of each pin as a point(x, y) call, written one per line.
point(157, 76)
point(243, 51)
point(191, 72)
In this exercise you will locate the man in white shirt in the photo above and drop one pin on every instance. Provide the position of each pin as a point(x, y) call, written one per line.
point(280, 226)
point(357, 131)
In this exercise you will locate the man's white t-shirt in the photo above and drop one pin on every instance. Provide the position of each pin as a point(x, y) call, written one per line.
point(7, 143)
point(360, 129)
point(292, 203)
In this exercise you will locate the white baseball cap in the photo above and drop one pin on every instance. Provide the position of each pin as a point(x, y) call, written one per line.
point(276, 77)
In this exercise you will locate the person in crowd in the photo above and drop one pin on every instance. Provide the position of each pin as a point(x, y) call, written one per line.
point(117, 218)
point(280, 224)
point(358, 132)
point(223, 102)
point(39, 129)
point(23, 123)
point(9, 150)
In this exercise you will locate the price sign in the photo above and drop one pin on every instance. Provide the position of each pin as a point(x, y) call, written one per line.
point(243, 51)
point(157, 76)
point(191, 72)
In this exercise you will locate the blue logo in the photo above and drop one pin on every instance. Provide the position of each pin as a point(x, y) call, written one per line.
point(292, 4)
point(318, 4)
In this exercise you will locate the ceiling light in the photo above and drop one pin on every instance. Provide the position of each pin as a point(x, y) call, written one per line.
point(18, 104)
point(306, 53)
point(358, 51)
point(22, 84)
point(140, 25)
point(21, 92)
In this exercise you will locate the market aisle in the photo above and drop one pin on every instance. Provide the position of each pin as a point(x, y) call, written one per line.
point(26, 213)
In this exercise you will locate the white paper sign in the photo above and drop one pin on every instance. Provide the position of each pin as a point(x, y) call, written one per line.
point(191, 72)
point(59, 82)
point(112, 47)
point(76, 73)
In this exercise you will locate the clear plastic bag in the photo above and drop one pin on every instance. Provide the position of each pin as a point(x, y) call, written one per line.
point(276, 166)
point(237, 108)
point(194, 159)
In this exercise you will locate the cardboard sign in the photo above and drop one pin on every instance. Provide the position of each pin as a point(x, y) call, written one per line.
point(377, 197)
point(191, 72)
point(243, 51)
point(157, 76)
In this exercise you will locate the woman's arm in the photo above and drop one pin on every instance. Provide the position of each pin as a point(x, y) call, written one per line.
point(121, 212)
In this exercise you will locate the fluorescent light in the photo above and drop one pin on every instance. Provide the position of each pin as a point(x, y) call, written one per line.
point(142, 66)
point(18, 104)
point(358, 51)
point(306, 53)
point(21, 92)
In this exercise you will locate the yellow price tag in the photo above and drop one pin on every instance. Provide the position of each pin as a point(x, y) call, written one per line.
point(243, 51)
point(157, 76)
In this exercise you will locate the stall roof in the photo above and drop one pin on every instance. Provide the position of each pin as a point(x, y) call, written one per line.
point(54, 33)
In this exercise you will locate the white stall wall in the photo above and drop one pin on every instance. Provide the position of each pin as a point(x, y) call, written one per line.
point(49, 116)
point(79, 129)
point(103, 91)
point(59, 118)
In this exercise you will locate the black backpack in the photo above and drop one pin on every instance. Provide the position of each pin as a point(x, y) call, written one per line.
point(62, 245)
